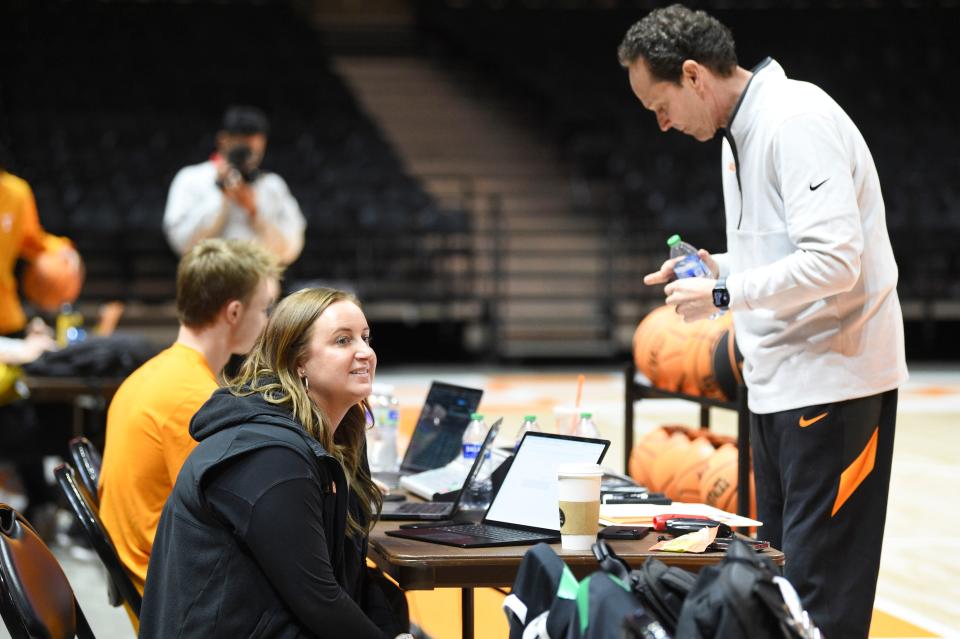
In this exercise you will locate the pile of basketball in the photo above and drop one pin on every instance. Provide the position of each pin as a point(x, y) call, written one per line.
point(697, 358)
point(691, 466)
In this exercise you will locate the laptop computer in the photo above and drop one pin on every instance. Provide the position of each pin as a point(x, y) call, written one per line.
point(435, 510)
point(525, 509)
point(438, 435)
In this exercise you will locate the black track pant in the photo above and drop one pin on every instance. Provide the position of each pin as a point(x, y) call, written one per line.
point(822, 475)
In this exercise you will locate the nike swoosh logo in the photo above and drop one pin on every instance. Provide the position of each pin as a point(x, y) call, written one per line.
point(814, 188)
point(813, 420)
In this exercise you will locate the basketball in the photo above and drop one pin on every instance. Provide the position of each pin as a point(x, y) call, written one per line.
point(684, 486)
point(718, 486)
point(659, 348)
point(727, 364)
point(698, 358)
point(699, 373)
point(644, 453)
point(54, 278)
point(668, 461)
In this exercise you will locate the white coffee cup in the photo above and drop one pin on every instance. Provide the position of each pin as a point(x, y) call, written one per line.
point(579, 497)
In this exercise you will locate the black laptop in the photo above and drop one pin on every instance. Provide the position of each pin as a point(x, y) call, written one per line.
point(438, 435)
point(434, 510)
point(525, 510)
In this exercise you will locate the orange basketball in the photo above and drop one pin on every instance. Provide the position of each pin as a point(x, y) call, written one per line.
point(668, 461)
point(684, 486)
point(718, 486)
point(54, 278)
point(643, 454)
point(728, 364)
point(660, 343)
point(699, 371)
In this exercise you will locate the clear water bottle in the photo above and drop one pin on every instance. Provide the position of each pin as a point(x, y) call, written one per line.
point(690, 264)
point(586, 427)
point(382, 435)
point(69, 329)
point(529, 425)
point(480, 491)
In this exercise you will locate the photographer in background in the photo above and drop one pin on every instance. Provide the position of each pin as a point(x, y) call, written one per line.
point(228, 196)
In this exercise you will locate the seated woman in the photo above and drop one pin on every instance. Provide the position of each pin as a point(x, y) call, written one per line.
point(265, 533)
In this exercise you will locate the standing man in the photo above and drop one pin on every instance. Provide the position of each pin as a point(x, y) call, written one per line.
point(224, 293)
point(229, 196)
point(811, 280)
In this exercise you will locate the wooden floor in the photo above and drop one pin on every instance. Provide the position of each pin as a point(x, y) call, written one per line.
point(919, 586)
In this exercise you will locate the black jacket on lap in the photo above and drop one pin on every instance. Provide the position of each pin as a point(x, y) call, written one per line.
point(252, 541)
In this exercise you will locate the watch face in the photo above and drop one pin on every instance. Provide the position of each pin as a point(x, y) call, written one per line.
point(721, 298)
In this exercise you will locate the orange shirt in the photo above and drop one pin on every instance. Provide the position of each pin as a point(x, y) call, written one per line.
point(147, 442)
point(20, 236)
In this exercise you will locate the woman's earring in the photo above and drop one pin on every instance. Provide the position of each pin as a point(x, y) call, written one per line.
point(306, 382)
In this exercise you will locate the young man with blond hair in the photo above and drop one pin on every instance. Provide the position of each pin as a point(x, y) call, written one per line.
point(225, 289)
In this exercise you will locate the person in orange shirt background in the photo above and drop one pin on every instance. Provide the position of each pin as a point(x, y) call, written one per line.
point(225, 289)
point(22, 237)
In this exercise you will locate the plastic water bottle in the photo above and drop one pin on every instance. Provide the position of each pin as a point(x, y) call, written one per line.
point(586, 427)
point(529, 425)
point(480, 491)
point(382, 437)
point(690, 264)
point(69, 327)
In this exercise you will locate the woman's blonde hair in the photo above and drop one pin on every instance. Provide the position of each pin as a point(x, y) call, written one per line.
point(271, 371)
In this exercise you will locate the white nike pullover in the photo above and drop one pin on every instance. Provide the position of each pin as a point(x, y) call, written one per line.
point(809, 267)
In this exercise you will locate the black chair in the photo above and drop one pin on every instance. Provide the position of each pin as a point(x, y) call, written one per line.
point(87, 460)
point(36, 599)
point(88, 516)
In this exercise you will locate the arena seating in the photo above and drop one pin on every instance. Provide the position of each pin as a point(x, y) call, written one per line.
point(885, 66)
point(104, 102)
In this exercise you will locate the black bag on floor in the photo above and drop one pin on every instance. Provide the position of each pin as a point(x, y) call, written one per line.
point(740, 598)
point(660, 589)
point(608, 609)
point(543, 597)
point(548, 602)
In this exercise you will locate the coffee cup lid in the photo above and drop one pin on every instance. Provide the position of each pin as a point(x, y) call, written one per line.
point(579, 470)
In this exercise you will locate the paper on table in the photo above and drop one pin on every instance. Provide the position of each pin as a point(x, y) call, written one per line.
point(697, 541)
point(643, 514)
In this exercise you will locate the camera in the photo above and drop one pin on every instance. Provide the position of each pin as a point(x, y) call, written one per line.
point(238, 158)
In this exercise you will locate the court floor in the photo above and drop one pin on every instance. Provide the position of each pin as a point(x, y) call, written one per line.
point(918, 587)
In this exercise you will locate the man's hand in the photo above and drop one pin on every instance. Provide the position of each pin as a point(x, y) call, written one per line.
point(234, 188)
point(692, 297)
point(243, 195)
point(665, 274)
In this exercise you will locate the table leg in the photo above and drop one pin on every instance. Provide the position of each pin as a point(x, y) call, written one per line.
point(466, 614)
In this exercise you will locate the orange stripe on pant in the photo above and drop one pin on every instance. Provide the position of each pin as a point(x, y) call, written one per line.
point(855, 473)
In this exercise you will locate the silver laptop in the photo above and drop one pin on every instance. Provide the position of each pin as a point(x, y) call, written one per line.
point(436, 510)
point(525, 510)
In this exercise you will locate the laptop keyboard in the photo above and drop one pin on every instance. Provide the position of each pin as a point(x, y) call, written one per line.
point(496, 533)
point(438, 480)
point(423, 508)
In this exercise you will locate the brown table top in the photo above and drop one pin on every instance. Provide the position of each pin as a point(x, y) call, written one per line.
point(65, 389)
point(419, 565)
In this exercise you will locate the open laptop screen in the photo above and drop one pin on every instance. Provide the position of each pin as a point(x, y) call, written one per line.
point(529, 494)
point(438, 435)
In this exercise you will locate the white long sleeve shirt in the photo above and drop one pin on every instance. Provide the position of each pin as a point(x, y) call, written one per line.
point(195, 202)
point(809, 265)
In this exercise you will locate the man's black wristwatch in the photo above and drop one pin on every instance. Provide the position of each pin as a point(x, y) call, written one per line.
point(721, 296)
